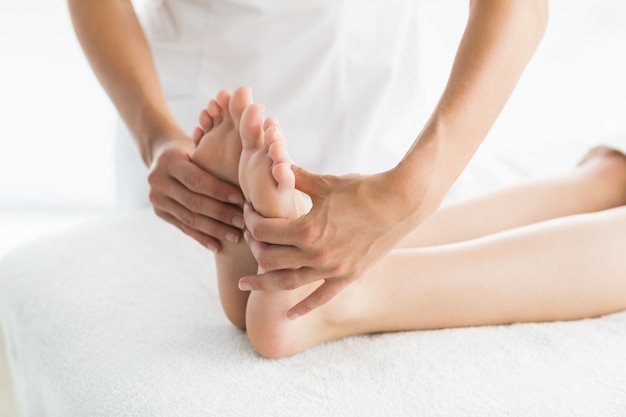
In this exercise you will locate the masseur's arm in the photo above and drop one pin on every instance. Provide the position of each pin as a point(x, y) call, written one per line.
point(357, 220)
point(182, 193)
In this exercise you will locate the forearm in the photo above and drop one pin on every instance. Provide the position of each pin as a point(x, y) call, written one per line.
point(499, 40)
point(115, 45)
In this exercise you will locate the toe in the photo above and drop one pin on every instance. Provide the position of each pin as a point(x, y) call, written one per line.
point(270, 122)
point(223, 100)
point(240, 99)
point(251, 127)
point(278, 152)
point(197, 135)
point(205, 120)
point(215, 111)
point(283, 175)
point(273, 135)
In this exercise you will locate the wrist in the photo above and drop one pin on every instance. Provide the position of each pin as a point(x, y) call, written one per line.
point(152, 141)
point(416, 179)
point(410, 193)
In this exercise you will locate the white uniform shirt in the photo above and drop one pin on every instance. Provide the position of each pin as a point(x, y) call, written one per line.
point(340, 75)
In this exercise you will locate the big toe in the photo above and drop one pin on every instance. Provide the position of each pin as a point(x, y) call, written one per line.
point(239, 100)
point(251, 127)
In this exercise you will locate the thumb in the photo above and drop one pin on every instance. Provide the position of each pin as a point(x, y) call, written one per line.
point(306, 181)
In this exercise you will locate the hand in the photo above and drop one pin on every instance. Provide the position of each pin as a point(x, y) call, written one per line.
point(192, 199)
point(355, 221)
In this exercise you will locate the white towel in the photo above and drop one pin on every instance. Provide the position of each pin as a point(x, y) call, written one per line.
point(122, 318)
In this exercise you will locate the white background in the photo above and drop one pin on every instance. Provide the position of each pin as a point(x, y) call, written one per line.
point(58, 126)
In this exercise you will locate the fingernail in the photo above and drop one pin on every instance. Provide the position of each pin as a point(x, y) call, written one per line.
point(292, 316)
point(235, 199)
point(231, 237)
point(245, 286)
point(212, 247)
point(238, 222)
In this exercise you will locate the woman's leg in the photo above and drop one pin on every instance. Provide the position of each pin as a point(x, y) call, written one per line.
point(559, 269)
point(597, 183)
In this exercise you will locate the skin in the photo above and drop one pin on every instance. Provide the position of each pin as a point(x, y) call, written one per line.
point(541, 251)
point(356, 220)
point(201, 205)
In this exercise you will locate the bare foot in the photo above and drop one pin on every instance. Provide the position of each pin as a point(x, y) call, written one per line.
point(218, 146)
point(218, 149)
point(268, 183)
point(265, 168)
point(241, 148)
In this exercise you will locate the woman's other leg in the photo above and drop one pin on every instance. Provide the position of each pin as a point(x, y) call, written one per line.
point(597, 183)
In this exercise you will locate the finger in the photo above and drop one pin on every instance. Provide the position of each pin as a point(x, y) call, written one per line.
point(200, 204)
point(272, 230)
point(283, 280)
point(205, 240)
point(191, 220)
point(307, 182)
point(199, 181)
point(275, 257)
point(317, 298)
